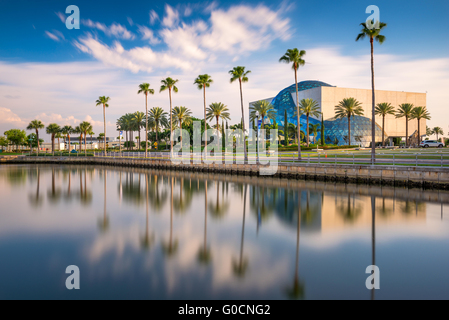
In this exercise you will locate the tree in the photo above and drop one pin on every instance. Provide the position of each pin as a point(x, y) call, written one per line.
point(159, 117)
point(138, 118)
point(145, 89)
point(58, 136)
point(202, 82)
point(3, 142)
point(314, 129)
point(31, 140)
point(295, 57)
point(348, 108)
point(78, 130)
point(373, 32)
point(169, 84)
point(382, 109)
point(309, 107)
point(182, 115)
point(242, 75)
point(85, 127)
point(405, 110)
point(286, 128)
point(418, 114)
point(217, 110)
point(322, 129)
point(91, 133)
point(429, 131)
point(67, 130)
point(104, 102)
point(437, 131)
point(52, 129)
point(15, 137)
point(36, 125)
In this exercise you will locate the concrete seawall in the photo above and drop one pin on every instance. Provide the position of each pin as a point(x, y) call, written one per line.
point(420, 177)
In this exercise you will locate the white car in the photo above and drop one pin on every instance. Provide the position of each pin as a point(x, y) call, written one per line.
point(431, 143)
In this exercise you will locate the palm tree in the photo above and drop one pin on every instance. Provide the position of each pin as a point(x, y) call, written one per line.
point(145, 89)
point(348, 108)
point(374, 34)
point(169, 84)
point(138, 118)
point(405, 110)
point(67, 130)
point(314, 129)
point(182, 115)
point(259, 110)
point(309, 107)
point(418, 114)
point(437, 131)
point(77, 130)
point(242, 75)
point(382, 109)
point(85, 127)
point(91, 133)
point(53, 129)
point(295, 57)
point(104, 102)
point(36, 125)
point(58, 136)
point(217, 110)
point(204, 81)
point(159, 117)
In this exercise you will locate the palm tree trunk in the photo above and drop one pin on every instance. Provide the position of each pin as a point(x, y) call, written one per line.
point(104, 122)
point(419, 133)
point(53, 144)
point(85, 143)
point(38, 144)
point(171, 125)
point(373, 115)
point(146, 125)
point(298, 116)
point(406, 132)
point(157, 137)
point(243, 123)
point(218, 131)
point(68, 136)
point(180, 126)
point(205, 123)
point(383, 130)
point(349, 131)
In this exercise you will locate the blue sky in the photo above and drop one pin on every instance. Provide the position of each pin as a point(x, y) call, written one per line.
point(56, 74)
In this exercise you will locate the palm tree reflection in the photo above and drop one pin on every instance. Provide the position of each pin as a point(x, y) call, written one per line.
point(37, 199)
point(348, 212)
point(218, 210)
point(241, 266)
point(54, 194)
point(172, 246)
point(147, 240)
point(204, 254)
point(104, 223)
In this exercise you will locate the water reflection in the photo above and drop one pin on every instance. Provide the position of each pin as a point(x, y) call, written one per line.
point(267, 237)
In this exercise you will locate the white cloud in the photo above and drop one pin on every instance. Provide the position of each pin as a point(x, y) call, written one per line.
point(153, 17)
point(56, 36)
point(171, 17)
point(61, 16)
point(115, 29)
point(130, 21)
point(148, 34)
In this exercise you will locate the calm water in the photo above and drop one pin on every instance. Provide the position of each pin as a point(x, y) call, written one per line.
point(169, 235)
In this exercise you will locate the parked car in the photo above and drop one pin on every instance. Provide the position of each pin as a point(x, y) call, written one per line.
point(431, 143)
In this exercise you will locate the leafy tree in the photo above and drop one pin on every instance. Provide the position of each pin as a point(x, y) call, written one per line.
point(36, 125)
point(144, 88)
point(347, 108)
point(437, 131)
point(3, 142)
point(52, 129)
point(418, 114)
point(169, 84)
point(181, 115)
point(314, 128)
point(138, 119)
point(309, 107)
point(405, 110)
point(382, 109)
point(16, 137)
point(285, 128)
point(373, 33)
point(103, 101)
point(217, 110)
point(31, 139)
point(239, 73)
point(429, 131)
point(202, 82)
point(67, 130)
point(159, 117)
point(295, 57)
point(322, 129)
point(85, 127)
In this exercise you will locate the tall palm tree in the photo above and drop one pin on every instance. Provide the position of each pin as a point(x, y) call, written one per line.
point(373, 34)
point(91, 133)
point(159, 117)
point(104, 102)
point(204, 81)
point(437, 131)
point(53, 129)
point(36, 125)
point(169, 84)
point(79, 131)
point(382, 109)
point(295, 57)
point(309, 107)
point(405, 110)
point(58, 136)
point(418, 114)
point(348, 108)
point(314, 128)
point(145, 89)
point(67, 130)
point(217, 110)
point(85, 127)
point(242, 75)
point(182, 115)
point(138, 118)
